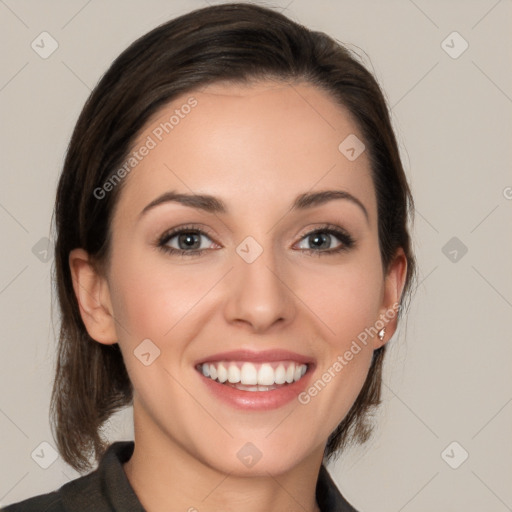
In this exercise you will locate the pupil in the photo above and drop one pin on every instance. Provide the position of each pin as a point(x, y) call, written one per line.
point(188, 240)
point(319, 237)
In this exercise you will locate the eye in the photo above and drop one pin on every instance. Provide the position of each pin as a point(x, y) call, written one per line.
point(323, 239)
point(186, 240)
point(193, 241)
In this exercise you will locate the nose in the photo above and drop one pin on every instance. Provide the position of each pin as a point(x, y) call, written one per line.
point(259, 295)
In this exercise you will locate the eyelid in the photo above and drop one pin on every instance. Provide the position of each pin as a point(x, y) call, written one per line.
point(326, 226)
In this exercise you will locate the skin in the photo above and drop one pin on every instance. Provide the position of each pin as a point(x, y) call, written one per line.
point(256, 147)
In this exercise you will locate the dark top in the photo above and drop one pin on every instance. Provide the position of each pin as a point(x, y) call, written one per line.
point(107, 489)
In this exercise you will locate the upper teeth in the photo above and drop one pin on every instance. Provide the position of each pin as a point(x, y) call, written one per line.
point(246, 373)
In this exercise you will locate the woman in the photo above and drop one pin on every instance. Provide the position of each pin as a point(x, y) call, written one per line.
point(232, 252)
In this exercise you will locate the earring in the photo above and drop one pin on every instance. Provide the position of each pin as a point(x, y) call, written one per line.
point(381, 333)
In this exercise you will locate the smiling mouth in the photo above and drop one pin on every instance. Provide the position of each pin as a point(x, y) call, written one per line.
point(247, 376)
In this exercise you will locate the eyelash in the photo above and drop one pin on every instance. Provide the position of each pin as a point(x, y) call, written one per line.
point(347, 242)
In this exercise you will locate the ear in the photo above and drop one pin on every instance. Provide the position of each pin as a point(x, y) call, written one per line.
point(93, 296)
point(394, 283)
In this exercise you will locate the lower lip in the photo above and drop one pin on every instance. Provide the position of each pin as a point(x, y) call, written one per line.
point(258, 400)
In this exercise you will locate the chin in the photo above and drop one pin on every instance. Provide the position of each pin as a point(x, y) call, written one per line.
point(259, 456)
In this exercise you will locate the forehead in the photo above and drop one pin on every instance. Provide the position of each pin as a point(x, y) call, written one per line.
point(262, 143)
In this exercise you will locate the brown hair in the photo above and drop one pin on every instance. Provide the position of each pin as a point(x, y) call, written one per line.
point(237, 42)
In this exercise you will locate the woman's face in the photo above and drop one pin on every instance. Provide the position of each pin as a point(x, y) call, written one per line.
point(285, 281)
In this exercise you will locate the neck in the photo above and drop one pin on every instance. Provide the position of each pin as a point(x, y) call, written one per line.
point(165, 476)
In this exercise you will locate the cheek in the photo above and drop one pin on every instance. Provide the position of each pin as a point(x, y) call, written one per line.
point(154, 301)
point(345, 298)
point(150, 298)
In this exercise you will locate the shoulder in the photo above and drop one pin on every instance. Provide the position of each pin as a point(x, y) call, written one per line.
point(51, 502)
point(81, 494)
point(99, 491)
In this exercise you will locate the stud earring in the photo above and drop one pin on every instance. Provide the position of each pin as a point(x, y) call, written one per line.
point(381, 333)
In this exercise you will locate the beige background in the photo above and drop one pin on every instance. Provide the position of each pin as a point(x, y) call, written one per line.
point(448, 374)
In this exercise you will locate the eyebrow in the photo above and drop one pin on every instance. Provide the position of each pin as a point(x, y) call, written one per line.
point(213, 204)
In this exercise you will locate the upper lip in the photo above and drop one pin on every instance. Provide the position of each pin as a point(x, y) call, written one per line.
point(256, 357)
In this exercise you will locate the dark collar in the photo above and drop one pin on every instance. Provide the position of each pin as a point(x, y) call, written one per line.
point(108, 488)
